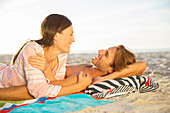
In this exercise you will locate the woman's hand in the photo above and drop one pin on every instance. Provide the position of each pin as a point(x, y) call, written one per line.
point(84, 79)
point(39, 62)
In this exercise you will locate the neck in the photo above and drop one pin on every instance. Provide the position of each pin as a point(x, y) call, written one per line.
point(94, 72)
point(50, 53)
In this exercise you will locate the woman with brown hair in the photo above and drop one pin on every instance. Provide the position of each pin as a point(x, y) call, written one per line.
point(57, 36)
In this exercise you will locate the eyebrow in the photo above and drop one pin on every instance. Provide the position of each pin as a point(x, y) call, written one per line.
point(107, 53)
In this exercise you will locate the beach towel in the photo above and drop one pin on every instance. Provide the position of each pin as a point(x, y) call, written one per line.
point(122, 86)
point(75, 102)
point(68, 103)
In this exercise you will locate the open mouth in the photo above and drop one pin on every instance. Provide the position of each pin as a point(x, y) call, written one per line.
point(69, 45)
point(96, 58)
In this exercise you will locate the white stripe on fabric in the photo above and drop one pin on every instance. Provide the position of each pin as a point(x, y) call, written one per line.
point(20, 76)
point(28, 68)
point(115, 82)
point(106, 84)
point(34, 72)
point(55, 91)
point(32, 81)
point(2, 73)
point(131, 81)
point(7, 105)
point(97, 88)
point(126, 82)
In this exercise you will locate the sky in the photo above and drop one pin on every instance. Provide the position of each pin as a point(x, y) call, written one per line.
point(97, 24)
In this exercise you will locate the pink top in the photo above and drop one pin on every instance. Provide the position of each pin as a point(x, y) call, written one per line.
point(22, 73)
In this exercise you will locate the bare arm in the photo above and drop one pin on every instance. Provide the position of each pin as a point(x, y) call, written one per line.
point(15, 93)
point(134, 69)
point(21, 92)
point(82, 84)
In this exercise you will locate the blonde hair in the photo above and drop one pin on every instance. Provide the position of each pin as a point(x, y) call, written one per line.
point(123, 58)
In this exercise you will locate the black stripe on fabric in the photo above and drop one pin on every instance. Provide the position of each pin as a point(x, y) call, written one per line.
point(128, 82)
point(127, 88)
point(143, 81)
point(92, 90)
point(122, 89)
point(117, 79)
point(134, 82)
point(118, 90)
point(112, 84)
point(147, 89)
point(102, 86)
point(113, 90)
point(120, 81)
point(137, 77)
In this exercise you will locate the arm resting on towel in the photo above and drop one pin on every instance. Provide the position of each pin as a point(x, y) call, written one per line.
point(15, 93)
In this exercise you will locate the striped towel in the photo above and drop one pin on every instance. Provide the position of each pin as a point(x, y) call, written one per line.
point(67, 103)
point(121, 86)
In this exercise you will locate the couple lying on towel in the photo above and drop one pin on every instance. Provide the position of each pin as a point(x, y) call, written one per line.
point(39, 67)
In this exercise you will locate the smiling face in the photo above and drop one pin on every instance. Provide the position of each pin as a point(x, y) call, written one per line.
point(63, 40)
point(104, 59)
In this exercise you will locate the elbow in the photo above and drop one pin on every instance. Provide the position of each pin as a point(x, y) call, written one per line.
point(143, 66)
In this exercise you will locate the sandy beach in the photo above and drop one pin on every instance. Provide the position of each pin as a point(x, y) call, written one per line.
point(158, 67)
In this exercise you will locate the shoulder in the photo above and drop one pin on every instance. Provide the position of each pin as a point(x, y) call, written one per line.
point(33, 47)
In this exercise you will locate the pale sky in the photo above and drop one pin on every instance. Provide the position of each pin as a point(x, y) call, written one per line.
point(97, 24)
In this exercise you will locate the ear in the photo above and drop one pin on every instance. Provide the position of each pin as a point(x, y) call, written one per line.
point(55, 36)
point(110, 70)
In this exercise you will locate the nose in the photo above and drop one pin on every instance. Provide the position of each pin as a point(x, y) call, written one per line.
point(73, 40)
point(101, 52)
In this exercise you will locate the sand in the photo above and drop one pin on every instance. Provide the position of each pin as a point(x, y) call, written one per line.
point(158, 66)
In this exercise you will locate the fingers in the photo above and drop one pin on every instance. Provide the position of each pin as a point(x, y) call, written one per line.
point(38, 59)
point(39, 54)
point(35, 61)
point(36, 65)
point(80, 74)
point(84, 76)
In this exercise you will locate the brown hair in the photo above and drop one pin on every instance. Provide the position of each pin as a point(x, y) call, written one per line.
point(50, 26)
point(123, 58)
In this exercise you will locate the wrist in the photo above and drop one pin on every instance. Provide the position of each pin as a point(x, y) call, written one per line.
point(105, 78)
point(46, 70)
point(81, 85)
point(112, 76)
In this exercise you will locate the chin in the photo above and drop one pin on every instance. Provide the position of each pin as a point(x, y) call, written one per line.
point(66, 51)
point(92, 61)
